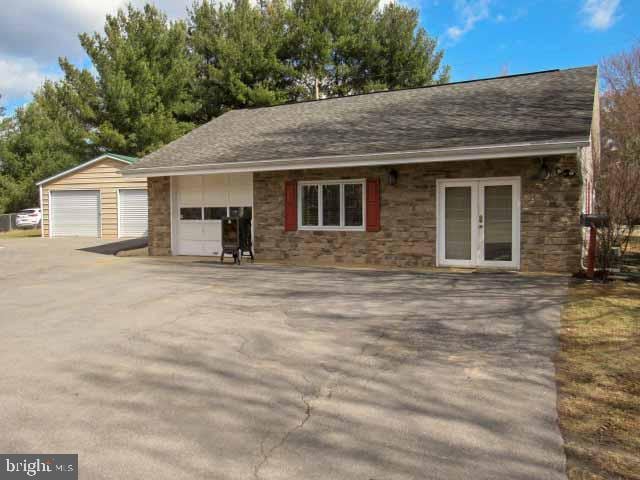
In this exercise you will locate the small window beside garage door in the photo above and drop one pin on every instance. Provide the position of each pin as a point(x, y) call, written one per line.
point(75, 213)
point(132, 213)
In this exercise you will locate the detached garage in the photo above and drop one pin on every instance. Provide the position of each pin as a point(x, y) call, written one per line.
point(94, 200)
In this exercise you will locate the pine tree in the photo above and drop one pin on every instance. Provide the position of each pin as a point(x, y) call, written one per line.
point(145, 76)
point(152, 80)
point(239, 51)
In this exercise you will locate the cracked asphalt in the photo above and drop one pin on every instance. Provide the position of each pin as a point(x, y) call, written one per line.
point(184, 369)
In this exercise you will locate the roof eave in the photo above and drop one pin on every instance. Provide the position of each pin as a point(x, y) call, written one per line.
point(484, 152)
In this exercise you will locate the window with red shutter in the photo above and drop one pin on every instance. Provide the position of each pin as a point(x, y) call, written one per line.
point(373, 204)
point(290, 206)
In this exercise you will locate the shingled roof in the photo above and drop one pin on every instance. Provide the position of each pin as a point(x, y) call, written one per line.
point(550, 106)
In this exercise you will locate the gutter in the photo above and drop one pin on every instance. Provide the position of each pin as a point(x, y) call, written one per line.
point(517, 150)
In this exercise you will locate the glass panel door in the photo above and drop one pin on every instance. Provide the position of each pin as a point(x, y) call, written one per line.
point(498, 223)
point(457, 213)
point(479, 223)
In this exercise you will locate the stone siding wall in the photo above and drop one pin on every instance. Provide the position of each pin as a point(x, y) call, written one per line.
point(550, 232)
point(159, 189)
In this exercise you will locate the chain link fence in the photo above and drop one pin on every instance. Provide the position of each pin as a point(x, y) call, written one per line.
point(7, 222)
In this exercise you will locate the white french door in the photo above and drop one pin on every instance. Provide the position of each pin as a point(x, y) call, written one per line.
point(479, 222)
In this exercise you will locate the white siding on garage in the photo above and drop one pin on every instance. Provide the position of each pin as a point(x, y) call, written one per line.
point(75, 213)
point(132, 213)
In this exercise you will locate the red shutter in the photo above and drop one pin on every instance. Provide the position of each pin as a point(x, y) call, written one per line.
point(373, 204)
point(290, 206)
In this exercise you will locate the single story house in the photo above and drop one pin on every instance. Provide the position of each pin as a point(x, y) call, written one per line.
point(483, 173)
point(93, 199)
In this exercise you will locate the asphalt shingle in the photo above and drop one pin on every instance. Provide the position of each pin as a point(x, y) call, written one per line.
point(537, 107)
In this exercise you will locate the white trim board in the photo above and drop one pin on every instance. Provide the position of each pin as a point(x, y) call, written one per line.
point(393, 158)
point(42, 213)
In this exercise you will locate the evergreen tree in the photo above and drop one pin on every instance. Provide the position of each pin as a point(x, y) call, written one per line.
point(344, 47)
point(239, 50)
point(145, 74)
point(41, 139)
point(152, 80)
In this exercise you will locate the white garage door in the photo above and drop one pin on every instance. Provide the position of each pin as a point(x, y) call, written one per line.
point(132, 213)
point(201, 201)
point(75, 213)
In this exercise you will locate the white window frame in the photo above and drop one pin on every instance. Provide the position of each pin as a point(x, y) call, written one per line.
point(342, 226)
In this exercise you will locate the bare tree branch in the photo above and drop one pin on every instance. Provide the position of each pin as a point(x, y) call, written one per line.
point(618, 171)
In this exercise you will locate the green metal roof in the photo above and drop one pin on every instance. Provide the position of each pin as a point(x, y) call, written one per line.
point(123, 157)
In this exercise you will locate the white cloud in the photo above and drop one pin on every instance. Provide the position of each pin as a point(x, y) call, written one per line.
point(600, 14)
point(44, 30)
point(20, 77)
point(34, 33)
point(470, 12)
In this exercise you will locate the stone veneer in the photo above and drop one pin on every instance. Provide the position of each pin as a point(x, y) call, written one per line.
point(159, 190)
point(550, 232)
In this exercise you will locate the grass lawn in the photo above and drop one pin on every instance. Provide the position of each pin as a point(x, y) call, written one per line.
point(598, 370)
point(31, 232)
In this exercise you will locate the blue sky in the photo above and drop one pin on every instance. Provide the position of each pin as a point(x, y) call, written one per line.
point(487, 38)
point(481, 38)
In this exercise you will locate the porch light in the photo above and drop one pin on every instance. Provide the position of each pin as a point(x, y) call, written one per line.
point(392, 177)
point(544, 171)
point(568, 172)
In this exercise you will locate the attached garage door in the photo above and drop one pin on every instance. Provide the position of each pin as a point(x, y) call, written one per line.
point(75, 213)
point(202, 201)
point(132, 213)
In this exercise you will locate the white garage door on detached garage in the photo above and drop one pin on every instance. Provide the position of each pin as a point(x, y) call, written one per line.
point(200, 202)
point(132, 212)
point(85, 200)
point(75, 213)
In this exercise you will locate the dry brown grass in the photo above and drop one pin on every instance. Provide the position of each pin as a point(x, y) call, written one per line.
point(20, 233)
point(598, 369)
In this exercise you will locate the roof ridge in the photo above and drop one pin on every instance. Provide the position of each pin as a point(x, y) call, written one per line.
point(126, 158)
point(460, 82)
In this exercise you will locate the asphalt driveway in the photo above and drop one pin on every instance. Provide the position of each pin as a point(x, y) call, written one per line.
point(169, 369)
